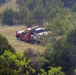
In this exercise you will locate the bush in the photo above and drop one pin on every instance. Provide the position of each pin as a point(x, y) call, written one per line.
point(62, 52)
point(14, 64)
point(4, 45)
point(7, 16)
point(52, 71)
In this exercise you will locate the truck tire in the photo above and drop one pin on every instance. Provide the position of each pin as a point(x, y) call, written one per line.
point(32, 41)
point(19, 38)
point(37, 42)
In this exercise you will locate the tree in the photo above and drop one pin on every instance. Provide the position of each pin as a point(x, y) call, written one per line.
point(7, 16)
point(59, 25)
point(14, 64)
point(40, 11)
point(68, 3)
point(4, 45)
point(61, 52)
point(52, 71)
point(74, 7)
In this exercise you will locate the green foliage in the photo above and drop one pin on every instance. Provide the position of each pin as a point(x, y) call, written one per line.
point(59, 25)
point(71, 35)
point(52, 71)
point(68, 3)
point(4, 45)
point(10, 17)
point(7, 16)
point(55, 71)
point(61, 44)
point(61, 52)
point(8, 71)
point(75, 71)
point(70, 41)
point(74, 7)
point(37, 12)
point(15, 63)
point(45, 10)
point(29, 22)
point(43, 61)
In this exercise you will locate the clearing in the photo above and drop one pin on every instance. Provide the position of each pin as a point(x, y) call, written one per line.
point(20, 46)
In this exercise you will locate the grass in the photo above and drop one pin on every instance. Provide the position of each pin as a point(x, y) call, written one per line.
point(10, 31)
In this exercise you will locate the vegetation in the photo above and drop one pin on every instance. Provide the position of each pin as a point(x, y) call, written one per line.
point(39, 12)
point(59, 17)
point(61, 52)
point(16, 64)
point(4, 45)
point(7, 17)
point(52, 71)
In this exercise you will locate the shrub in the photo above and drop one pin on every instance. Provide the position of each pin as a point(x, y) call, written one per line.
point(7, 16)
point(4, 45)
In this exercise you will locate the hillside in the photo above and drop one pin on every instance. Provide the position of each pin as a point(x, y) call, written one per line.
point(56, 55)
point(20, 46)
point(10, 4)
point(10, 30)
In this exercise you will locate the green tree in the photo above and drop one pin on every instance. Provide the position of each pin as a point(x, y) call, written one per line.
point(14, 63)
point(40, 11)
point(61, 52)
point(7, 16)
point(68, 3)
point(4, 45)
point(60, 24)
point(52, 71)
point(74, 7)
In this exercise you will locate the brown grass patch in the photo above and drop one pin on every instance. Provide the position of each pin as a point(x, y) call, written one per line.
point(10, 31)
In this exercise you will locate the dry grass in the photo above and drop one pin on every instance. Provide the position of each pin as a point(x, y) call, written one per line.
point(10, 4)
point(9, 32)
point(20, 46)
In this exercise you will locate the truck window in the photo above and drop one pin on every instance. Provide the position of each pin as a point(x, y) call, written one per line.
point(25, 32)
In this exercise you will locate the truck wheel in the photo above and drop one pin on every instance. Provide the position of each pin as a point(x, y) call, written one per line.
point(19, 38)
point(32, 41)
point(37, 42)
